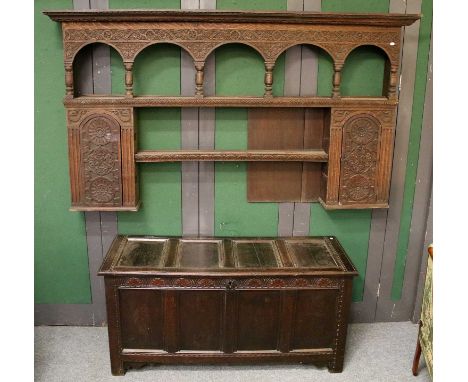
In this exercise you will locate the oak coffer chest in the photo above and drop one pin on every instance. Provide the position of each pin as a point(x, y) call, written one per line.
point(227, 300)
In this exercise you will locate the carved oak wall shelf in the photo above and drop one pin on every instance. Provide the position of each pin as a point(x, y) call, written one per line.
point(356, 146)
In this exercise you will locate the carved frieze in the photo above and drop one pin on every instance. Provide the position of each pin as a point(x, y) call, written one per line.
point(269, 40)
point(241, 283)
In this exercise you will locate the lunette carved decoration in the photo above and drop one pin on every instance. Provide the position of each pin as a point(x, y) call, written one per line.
point(270, 34)
point(269, 41)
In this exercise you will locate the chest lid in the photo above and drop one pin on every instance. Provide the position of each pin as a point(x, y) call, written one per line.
point(148, 254)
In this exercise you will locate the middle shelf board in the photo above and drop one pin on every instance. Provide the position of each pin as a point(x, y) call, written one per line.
point(233, 156)
point(244, 101)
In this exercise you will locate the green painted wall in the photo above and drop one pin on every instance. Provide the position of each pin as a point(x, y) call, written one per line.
point(61, 261)
point(413, 147)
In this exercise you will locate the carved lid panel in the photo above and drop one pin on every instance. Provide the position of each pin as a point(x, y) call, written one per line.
point(140, 254)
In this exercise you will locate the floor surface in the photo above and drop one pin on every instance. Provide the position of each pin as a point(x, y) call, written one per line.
point(375, 352)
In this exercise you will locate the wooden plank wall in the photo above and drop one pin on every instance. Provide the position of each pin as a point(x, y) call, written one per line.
point(213, 197)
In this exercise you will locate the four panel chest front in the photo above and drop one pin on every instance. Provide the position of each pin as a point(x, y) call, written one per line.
point(220, 300)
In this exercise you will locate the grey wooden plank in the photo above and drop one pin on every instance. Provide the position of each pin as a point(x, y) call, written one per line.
point(365, 310)
point(190, 194)
point(108, 230)
point(386, 308)
point(94, 241)
point(206, 141)
point(108, 220)
point(64, 314)
point(421, 202)
point(189, 4)
point(285, 219)
point(99, 4)
point(309, 69)
point(292, 71)
point(301, 219)
point(292, 85)
point(308, 86)
point(312, 5)
point(295, 5)
point(422, 272)
point(81, 4)
point(207, 4)
point(101, 70)
point(189, 141)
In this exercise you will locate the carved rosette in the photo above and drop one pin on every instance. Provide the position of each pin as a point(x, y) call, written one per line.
point(359, 157)
point(100, 160)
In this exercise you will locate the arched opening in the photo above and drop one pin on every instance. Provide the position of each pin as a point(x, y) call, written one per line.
point(157, 70)
point(303, 77)
point(365, 72)
point(88, 79)
point(240, 71)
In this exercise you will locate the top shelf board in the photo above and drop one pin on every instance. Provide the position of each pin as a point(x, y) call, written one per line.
point(222, 16)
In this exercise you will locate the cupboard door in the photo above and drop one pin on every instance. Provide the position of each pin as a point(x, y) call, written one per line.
point(141, 317)
point(258, 319)
point(314, 320)
point(200, 320)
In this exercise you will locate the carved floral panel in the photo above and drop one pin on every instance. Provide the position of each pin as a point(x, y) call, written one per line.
point(100, 160)
point(359, 157)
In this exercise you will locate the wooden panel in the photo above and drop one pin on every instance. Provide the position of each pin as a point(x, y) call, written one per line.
point(141, 314)
point(129, 174)
point(169, 321)
point(100, 161)
point(310, 254)
point(301, 129)
point(275, 129)
point(199, 254)
point(144, 253)
point(255, 254)
point(200, 321)
point(316, 121)
point(360, 153)
point(314, 322)
point(258, 320)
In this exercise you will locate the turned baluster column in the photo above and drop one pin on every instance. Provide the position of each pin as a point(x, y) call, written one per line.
point(199, 78)
point(128, 79)
point(269, 78)
point(392, 86)
point(338, 66)
point(69, 79)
